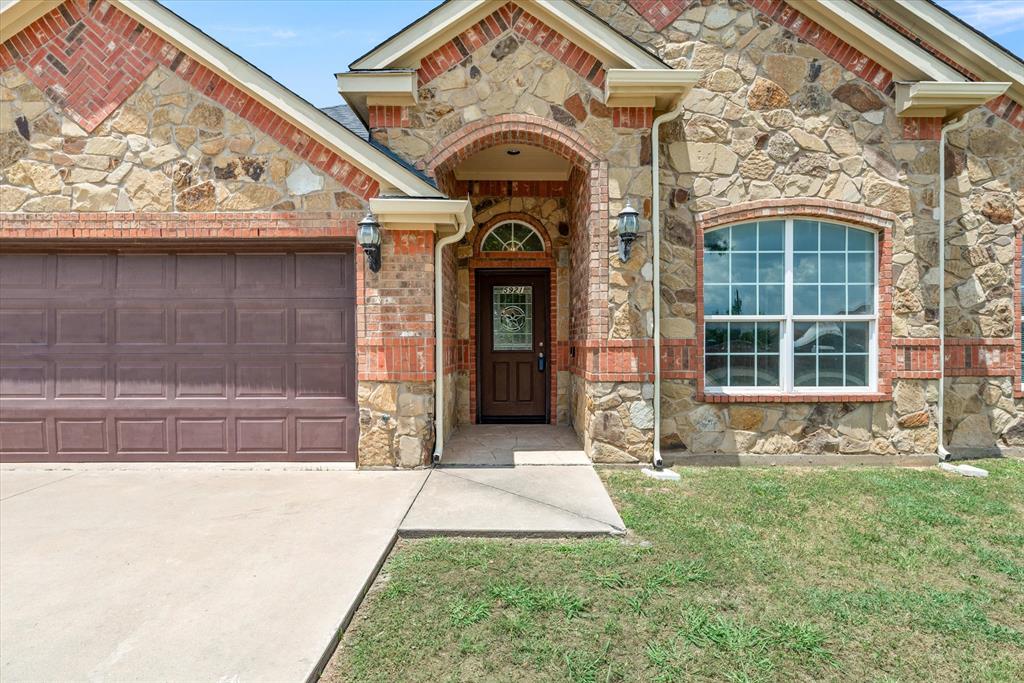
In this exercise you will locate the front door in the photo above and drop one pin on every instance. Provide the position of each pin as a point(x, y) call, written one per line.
point(512, 339)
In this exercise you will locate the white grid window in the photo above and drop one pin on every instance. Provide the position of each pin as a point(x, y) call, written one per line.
point(790, 306)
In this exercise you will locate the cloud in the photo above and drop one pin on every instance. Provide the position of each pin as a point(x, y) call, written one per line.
point(259, 36)
point(994, 17)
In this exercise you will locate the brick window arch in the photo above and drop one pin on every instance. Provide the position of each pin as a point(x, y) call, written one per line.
point(782, 218)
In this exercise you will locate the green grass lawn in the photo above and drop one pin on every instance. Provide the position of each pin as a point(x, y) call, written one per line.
point(730, 574)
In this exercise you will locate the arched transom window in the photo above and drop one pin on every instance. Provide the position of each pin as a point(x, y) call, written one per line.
point(512, 236)
point(790, 306)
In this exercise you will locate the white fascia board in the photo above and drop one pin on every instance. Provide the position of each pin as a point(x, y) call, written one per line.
point(15, 15)
point(963, 38)
point(659, 88)
point(411, 213)
point(598, 37)
point(577, 24)
point(425, 30)
point(879, 41)
point(944, 98)
point(284, 102)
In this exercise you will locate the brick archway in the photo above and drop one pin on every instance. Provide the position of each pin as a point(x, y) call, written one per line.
point(588, 199)
point(515, 129)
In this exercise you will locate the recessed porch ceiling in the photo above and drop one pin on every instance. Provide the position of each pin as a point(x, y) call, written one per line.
point(531, 163)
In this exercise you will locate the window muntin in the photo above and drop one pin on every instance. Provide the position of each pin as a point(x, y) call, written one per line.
point(512, 236)
point(789, 306)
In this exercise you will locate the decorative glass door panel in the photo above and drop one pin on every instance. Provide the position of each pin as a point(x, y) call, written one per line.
point(512, 308)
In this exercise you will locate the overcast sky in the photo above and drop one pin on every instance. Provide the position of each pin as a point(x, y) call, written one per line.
point(302, 43)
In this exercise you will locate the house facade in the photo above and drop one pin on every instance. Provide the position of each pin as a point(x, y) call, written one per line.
point(814, 272)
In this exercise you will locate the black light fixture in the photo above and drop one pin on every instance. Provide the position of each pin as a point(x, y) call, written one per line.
point(629, 223)
point(368, 237)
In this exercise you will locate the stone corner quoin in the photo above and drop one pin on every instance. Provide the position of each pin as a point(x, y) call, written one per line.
point(789, 125)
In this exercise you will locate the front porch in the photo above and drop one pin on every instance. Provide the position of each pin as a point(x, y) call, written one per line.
point(508, 445)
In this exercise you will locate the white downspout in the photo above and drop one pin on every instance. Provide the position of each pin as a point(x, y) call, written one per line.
point(439, 338)
point(941, 408)
point(656, 263)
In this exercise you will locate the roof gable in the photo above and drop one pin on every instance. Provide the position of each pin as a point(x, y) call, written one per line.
point(136, 36)
point(557, 24)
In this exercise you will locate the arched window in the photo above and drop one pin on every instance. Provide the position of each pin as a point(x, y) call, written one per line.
point(790, 306)
point(512, 236)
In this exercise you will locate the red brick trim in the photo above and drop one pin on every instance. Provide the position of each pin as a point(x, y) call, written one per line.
point(510, 129)
point(510, 188)
point(982, 357)
point(632, 117)
point(680, 359)
point(659, 13)
point(881, 221)
point(822, 209)
point(922, 128)
point(394, 359)
point(511, 17)
point(916, 358)
point(153, 225)
point(614, 360)
point(829, 43)
point(512, 255)
point(104, 55)
point(391, 116)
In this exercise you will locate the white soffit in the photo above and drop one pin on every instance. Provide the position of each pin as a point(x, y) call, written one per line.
point(658, 88)
point(875, 38)
point(957, 41)
point(406, 48)
point(945, 99)
point(531, 163)
point(411, 213)
point(284, 102)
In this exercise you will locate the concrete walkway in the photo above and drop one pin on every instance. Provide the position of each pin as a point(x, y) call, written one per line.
point(197, 575)
point(524, 480)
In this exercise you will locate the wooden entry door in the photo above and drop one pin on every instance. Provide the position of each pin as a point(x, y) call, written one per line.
point(512, 345)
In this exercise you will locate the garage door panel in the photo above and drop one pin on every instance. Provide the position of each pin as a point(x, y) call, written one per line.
point(25, 325)
point(80, 272)
point(201, 325)
point(80, 379)
point(23, 379)
point(156, 356)
point(141, 272)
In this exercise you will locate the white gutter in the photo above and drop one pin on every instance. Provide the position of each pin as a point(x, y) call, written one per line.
point(656, 263)
point(941, 408)
point(463, 226)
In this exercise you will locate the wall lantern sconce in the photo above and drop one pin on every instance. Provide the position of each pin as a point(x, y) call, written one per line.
point(368, 237)
point(629, 223)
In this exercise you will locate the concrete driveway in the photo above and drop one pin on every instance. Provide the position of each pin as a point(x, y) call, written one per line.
point(186, 575)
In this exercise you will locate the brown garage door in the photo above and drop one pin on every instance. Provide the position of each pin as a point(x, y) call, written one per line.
point(177, 356)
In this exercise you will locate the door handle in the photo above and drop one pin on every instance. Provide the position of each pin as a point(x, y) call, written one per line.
point(540, 362)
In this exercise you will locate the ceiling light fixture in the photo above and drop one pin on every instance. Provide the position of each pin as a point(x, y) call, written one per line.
point(513, 152)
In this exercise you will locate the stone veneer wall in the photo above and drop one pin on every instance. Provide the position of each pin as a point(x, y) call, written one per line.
point(166, 148)
point(775, 117)
point(984, 219)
